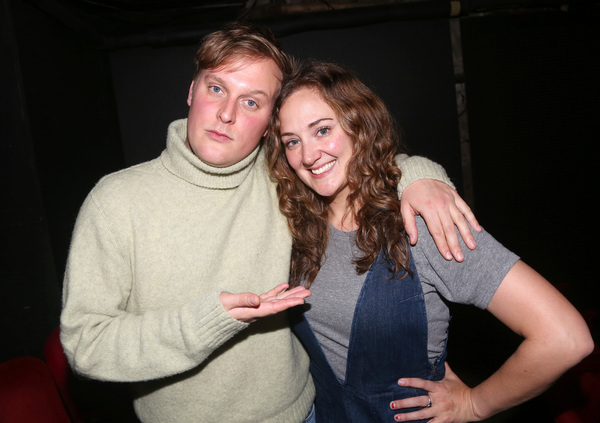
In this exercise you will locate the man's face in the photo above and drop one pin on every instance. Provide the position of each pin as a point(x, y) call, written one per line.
point(230, 108)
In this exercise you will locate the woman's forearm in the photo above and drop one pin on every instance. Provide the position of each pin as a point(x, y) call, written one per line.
point(532, 369)
point(556, 337)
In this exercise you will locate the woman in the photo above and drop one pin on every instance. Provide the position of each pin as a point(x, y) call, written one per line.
point(377, 308)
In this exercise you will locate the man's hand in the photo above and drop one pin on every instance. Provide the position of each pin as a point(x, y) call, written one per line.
point(443, 209)
point(248, 307)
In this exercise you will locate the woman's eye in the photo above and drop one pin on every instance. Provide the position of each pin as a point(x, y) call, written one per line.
point(323, 131)
point(290, 143)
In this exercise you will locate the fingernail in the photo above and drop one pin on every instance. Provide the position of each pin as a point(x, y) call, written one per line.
point(448, 255)
point(401, 382)
point(392, 405)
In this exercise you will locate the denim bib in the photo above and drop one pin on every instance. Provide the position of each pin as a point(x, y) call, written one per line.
point(388, 340)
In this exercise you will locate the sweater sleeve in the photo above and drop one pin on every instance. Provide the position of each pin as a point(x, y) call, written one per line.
point(103, 340)
point(415, 167)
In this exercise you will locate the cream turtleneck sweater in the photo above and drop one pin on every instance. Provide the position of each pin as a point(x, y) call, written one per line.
point(152, 248)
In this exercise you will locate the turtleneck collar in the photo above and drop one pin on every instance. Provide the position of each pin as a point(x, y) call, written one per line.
point(181, 162)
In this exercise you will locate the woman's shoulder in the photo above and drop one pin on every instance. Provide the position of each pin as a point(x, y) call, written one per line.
point(471, 281)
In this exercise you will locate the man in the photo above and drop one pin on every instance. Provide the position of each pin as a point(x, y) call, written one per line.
point(164, 253)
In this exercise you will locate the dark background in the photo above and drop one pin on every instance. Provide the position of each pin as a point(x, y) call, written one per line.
point(505, 95)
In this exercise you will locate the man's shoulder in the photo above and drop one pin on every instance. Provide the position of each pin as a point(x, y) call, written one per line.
point(132, 177)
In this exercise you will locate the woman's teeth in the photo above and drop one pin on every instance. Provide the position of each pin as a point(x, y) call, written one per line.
point(323, 168)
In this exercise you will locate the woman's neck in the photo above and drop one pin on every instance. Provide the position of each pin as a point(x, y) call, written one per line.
point(342, 217)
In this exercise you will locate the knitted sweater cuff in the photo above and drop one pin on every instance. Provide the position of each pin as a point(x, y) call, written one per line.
point(414, 168)
point(214, 325)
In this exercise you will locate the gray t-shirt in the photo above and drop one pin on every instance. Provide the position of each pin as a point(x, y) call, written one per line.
point(337, 286)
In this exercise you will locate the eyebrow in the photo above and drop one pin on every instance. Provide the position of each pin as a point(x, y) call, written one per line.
point(310, 125)
point(210, 76)
point(316, 122)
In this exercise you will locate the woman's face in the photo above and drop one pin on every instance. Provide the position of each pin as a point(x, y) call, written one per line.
point(316, 146)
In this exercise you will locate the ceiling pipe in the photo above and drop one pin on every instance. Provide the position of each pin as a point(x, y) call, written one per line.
point(285, 22)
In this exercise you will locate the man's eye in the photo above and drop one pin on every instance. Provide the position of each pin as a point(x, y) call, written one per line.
point(215, 89)
point(252, 103)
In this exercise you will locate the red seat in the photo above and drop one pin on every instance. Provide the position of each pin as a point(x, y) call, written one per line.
point(85, 399)
point(61, 372)
point(28, 393)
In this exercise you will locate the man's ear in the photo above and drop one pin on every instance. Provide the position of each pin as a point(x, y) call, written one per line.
point(190, 94)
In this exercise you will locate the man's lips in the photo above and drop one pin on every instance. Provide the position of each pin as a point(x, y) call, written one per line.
point(218, 136)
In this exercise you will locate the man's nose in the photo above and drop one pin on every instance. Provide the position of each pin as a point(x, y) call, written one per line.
point(227, 111)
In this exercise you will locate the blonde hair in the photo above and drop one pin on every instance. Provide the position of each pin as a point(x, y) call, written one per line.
point(240, 40)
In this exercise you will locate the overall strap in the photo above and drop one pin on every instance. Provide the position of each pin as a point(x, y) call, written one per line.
point(388, 340)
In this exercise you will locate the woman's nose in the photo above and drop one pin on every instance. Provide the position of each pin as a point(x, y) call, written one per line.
point(310, 154)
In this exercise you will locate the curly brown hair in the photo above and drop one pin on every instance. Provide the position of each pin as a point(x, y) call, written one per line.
point(373, 175)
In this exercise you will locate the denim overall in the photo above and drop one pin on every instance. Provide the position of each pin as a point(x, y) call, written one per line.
point(388, 341)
